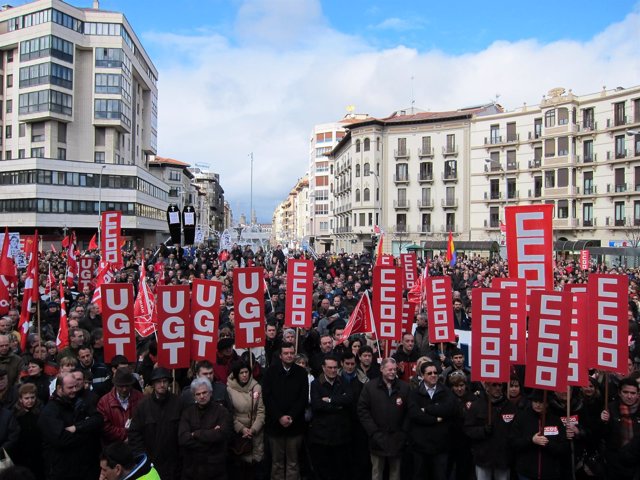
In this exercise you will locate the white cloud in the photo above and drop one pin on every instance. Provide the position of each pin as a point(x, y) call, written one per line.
point(286, 70)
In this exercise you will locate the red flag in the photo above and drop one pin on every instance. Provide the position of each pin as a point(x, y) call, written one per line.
point(248, 295)
point(30, 294)
point(298, 308)
point(105, 276)
point(51, 282)
point(93, 245)
point(7, 265)
point(53, 249)
point(5, 298)
point(72, 260)
point(62, 340)
point(490, 336)
point(360, 319)
point(174, 329)
point(144, 306)
point(440, 309)
point(65, 242)
point(379, 250)
point(452, 257)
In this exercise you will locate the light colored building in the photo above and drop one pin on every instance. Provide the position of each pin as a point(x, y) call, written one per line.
point(212, 217)
point(79, 122)
point(578, 153)
point(291, 217)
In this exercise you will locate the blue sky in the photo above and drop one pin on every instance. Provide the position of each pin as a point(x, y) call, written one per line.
point(243, 76)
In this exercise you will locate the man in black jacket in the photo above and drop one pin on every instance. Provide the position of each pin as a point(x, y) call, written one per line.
point(154, 428)
point(69, 429)
point(285, 390)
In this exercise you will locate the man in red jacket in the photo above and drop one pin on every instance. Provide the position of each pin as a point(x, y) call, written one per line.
point(118, 406)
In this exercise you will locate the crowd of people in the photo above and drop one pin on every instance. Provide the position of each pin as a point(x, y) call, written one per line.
point(307, 405)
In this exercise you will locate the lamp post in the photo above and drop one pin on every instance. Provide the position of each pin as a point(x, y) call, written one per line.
point(100, 208)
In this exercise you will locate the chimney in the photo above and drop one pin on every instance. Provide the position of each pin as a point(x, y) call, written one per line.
point(96, 4)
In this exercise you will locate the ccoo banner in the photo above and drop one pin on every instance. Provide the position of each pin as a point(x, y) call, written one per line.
point(490, 335)
point(409, 264)
point(517, 289)
point(439, 309)
point(110, 239)
point(298, 308)
point(387, 301)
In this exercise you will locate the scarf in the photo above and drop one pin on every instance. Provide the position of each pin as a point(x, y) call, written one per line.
point(626, 422)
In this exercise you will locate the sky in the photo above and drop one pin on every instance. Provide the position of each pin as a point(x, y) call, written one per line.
point(254, 76)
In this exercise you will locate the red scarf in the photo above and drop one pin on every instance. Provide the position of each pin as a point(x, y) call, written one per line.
point(626, 421)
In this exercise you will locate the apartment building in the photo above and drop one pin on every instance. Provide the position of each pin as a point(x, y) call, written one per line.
point(291, 217)
point(212, 218)
point(78, 100)
point(579, 153)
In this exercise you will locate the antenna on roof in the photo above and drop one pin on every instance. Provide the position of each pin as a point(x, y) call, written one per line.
point(413, 100)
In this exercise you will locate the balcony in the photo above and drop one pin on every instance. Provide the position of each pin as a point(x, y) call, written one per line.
point(535, 136)
point(511, 166)
point(492, 223)
point(401, 153)
point(426, 229)
point(450, 150)
point(400, 228)
point(536, 193)
point(587, 159)
point(425, 177)
point(536, 163)
point(449, 203)
point(617, 122)
point(425, 203)
point(450, 176)
point(426, 152)
point(401, 204)
point(590, 223)
point(493, 167)
point(488, 196)
point(346, 229)
point(616, 188)
point(565, 222)
point(493, 140)
point(449, 228)
point(500, 140)
point(587, 190)
point(401, 178)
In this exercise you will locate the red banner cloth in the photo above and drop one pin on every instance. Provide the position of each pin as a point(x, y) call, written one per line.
point(110, 239)
point(517, 289)
point(298, 306)
point(439, 309)
point(409, 264)
point(530, 245)
point(608, 325)
point(585, 259)
point(548, 345)
point(387, 302)
point(86, 267)
point(174, 335)
point(205, 319)
point(360, 320)
point(490, 335)
point(117, 321)
point(248, 296)
point(578, 369)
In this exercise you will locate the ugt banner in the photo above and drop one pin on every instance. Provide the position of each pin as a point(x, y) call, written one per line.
point(248, 295)
point(205, 318)
point(409, 268)
point(173, 329)
point(439, 309)
point(517, 289)
point(578, 370)
point(387, 302)
point(298, 307)
point(110, 239)
point(548, 345)
point(85, 272)
point(608, 326)
point(117, 321)
point(490, 335)
point(530, 244)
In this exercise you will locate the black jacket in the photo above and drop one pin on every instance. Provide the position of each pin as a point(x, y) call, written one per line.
point(612, 434)
point(331, 423)
point(383, 414)
point(431, 419)
point(285, 393)
point(154, 431)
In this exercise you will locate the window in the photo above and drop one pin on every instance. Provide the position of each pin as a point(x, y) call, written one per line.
point(322, 209)
point(100, 133)
point(563, 145)
point(537, 128)
point(550, 118)
point(402, 172)
point(550, 147)
point(62, 154)
point(37, 132)
point(62, 132)
point(494, 189)
point(357, 170)
point(563, 116)
point(563, 177)
point(9, 80)
point(619, 214)
point(324, 226)
point(22, 129)
point(450, 169)
point(7, 131)
point(563, 208)
point(98, 157)
point(401, 222)
point(426, 146)
point(451, 143)
point(362, 219)
point(366, 170)
point(44, 73)
point(621, 150)
point(111, 109)
point(511, 188)
point(115, 83)
point(512, 136)
point(357, 194)
point(402, 146)
point(45, 100)
point(588, 119)
point(587, 215)
point(367, 144)
point(7, 155)
point(9, 105)
point(450, 222)
point(366, 195)
point(22, 153)
point(587, 183)
point(587, 150)
point(175, 175)
point(618, 112)
point(426, 171)
point(425, 223)
point(621, 185)
point(37, 152)
point(636, 213)
point(370, 219)
point(549, 179)
point(494, 217)
point(426, 196)
point(511, 160)
point(9, 56)
point(494, 134)
point(357, 145)
point(402, 197)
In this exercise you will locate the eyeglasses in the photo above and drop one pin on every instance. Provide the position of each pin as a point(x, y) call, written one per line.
point(431, 373)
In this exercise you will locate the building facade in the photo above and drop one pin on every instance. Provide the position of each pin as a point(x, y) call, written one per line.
point(212, 216)
point(79, 122)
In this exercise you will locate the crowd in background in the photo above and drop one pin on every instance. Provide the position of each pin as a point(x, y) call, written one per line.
point(306, 405)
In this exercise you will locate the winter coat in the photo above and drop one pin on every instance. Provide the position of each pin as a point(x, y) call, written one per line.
point(154, 431)
point(143, 470)
point(9, 430)
point(330, 424)
point(115, 417)
point(42, 384)
point(383, 414)
point(28, 450)
point(533, 461)
point(204, 447)
point(248, 412)
point(431, 419)
point(70, 456)
point(285, 393)
point(612, 435)
point(12, 363)
point(490, 446)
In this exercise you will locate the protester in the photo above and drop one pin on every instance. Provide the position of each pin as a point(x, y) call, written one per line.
point(118, 462)
point(119, 406)
point(28, 449)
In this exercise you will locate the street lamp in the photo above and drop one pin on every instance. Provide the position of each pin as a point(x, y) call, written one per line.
point(100, 207)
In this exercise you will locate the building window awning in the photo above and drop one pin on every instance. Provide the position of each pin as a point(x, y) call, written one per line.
point(574, 245)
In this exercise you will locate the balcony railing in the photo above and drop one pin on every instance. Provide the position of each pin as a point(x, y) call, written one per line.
point(450, 150)
point(425, 152)
point(425, 229)
point(425, 203)
point(425, 177)
point(402, 153)
point(401, 178)
point(449, 202)
point(401, 203)
point(535, 163)
point(449, 228)
point(450, 176)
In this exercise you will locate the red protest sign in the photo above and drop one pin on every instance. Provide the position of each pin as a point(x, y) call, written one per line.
point(110, 239)
point(205, 319)
point(585, 258)
point(578, 369)
point(386, 260)
point(530, 244)
point(387, 302)
point(409, 269)
point(298, 306)
point(248, 295)
point(407, 316)
point(117, 321)
point(608, 326)
point(548, 345)
point(439, 309)
point(172, 307)
point(85, 273)
point(517, 289)
point(490, 335)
